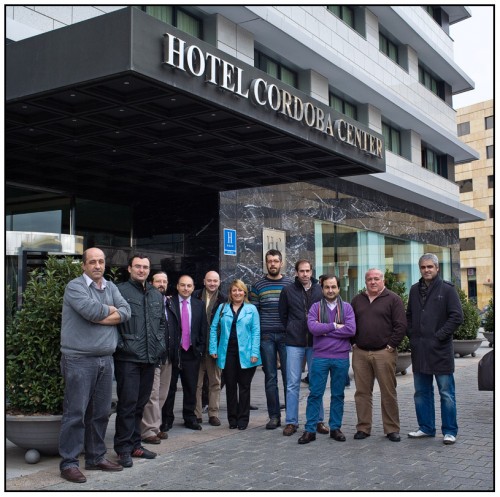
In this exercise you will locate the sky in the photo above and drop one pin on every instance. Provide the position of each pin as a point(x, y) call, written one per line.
point(473, 52)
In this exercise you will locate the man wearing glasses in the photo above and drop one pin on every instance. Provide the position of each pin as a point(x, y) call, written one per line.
point(141, 344)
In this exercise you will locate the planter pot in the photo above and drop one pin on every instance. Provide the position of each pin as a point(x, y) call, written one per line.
point(403, 362)
point(466, 347)
point(490, 336)
point(34, 432)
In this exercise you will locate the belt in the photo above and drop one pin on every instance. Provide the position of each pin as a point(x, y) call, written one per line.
point(372, 349)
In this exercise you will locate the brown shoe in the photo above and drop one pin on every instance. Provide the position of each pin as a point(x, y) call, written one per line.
point(307, 437)
point(337, 435)
point(105, 465)
point(73, 474)
point(162, 435)
point(214, 421)
point(321, 428)
point(289, 430)
point(152, 440)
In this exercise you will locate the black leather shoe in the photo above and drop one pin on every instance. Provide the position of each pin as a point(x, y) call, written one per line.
point(233, 427)
point(73, 474)
point(192, 425)
point(242, 427)
point(337, 435)
point(360, 435)
point(307, 437)
point(273, 423)
point(394, 437)
point(253, 408)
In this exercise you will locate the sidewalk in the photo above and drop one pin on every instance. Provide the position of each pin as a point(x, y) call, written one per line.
point(217, 458)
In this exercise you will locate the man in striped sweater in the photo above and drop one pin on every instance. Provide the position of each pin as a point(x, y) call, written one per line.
point(265, 294)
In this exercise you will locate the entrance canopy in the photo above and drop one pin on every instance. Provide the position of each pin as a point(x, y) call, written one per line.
point(93, 110)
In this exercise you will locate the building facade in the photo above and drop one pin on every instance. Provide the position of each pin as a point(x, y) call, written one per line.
point(475, 126)
point(205, 135)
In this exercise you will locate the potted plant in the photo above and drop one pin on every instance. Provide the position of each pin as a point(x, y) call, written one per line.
point(403, 361)
point(34, 385)
point(488, 322)
point(465, 340)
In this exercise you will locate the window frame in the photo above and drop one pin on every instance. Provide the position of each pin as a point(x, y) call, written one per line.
point(489, 122)
point(176, 10)
point(490, 151)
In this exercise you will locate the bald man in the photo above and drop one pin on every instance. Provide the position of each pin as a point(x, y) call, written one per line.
point(212, 297)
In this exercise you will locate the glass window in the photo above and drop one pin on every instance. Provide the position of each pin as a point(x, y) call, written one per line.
point(276, 69)
point(388, 47)
point(492, 211)
point(430, 82)
point(434, 162)
point(465, 185)
point(488, 122)
point(491, 181)
point(350, 252)
point(463, 128)
point(343, 12)
point(177, 17)
point(343, 106)
point(467, 244)
point(490, 152)
point(392, 138)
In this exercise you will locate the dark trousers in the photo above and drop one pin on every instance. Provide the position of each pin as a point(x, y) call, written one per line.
point(188, 372)
point(134, 382)
point(238, 383)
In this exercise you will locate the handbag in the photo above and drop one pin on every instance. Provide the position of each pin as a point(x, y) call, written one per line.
point(221, 313)
point(485, 372)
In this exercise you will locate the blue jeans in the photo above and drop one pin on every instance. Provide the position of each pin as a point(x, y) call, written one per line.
point(86, 408)
point(294, 360)
point(424, 403)
point(318, 376)
point(272, 344)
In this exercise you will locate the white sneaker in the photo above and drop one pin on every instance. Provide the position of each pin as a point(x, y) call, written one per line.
point(449, 439)
point(418, 434)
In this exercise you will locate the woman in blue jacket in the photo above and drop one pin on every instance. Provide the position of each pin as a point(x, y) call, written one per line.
point(237, 351)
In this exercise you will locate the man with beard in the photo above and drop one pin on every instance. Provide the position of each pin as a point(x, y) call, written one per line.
point(151, 418)
point(265, 295)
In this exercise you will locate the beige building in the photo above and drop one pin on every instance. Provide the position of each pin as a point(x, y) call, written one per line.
point(475, 126)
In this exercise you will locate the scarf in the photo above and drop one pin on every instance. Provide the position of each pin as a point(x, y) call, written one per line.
point(324, 314)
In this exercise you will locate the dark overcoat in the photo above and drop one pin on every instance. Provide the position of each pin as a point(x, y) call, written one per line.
point(431, 326)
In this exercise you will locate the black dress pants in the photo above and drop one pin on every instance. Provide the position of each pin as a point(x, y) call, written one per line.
point(134, 381)
point(188, 372)
point(238, 382)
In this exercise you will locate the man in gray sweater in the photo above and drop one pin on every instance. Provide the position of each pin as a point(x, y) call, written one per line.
point(92, 309)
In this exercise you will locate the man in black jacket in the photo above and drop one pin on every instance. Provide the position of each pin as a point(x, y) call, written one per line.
point(193, 318)
point(151, 418)
point(434, 312)
point(141, 344)
point(212, 297)
point(294, 303)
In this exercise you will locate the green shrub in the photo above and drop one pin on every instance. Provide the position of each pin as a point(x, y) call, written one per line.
point(33, 380)
point(469, 328)
point(489, 323)
point(399, 288)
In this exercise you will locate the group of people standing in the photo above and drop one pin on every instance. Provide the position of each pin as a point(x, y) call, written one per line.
point(146, 339)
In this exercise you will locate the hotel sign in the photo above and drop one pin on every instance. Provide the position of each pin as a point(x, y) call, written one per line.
point(227, 76)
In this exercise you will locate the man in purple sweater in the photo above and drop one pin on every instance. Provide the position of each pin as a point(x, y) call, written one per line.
point(332, 325)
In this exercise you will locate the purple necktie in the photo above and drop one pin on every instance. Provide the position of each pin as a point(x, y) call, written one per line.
point(185, 325)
